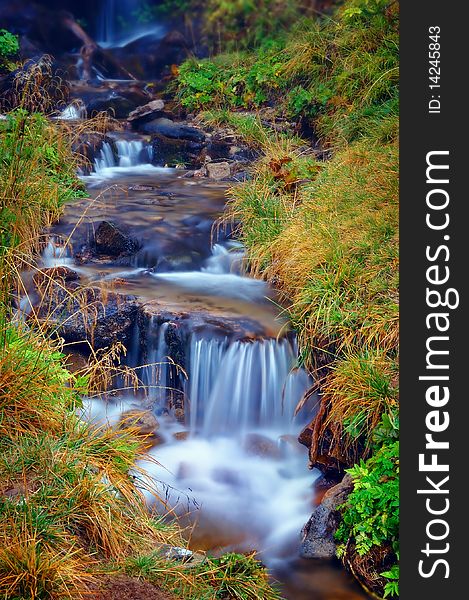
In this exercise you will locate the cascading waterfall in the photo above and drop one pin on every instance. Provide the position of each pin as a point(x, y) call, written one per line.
point(244, 385)
point(127, 153)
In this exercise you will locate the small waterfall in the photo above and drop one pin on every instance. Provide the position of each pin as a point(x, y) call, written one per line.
point(223, 260)
point(107, 21)
point(125, 154)
point(234, 387)
point(156, 377)
point(56, 254)
point(116, 25)
point(73, 112)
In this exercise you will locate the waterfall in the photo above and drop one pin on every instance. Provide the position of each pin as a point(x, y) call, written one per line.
point(223, 261)
point(72, 112)
point(116, 26)
point(234, 387)
point(125, 154)
point(156, 377)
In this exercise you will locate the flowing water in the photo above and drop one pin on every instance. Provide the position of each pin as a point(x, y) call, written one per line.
point(116, 23)
point(228, 461)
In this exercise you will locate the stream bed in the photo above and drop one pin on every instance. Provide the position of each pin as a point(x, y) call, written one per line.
point(227, 459)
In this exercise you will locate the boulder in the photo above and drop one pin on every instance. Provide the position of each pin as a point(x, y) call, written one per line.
point(174, 131)
point(115, 105)
point(218, 170)
point(89, 145)
point(75, 362)
point(306, 436)
point(148, 112)
point(37, 73)
point(318, 533)
point(112, 241)
point(151, 55)
point(89, 317)
point(172, 152)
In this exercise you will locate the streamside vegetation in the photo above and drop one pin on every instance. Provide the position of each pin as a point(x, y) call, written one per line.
point(72, 513)
point(319, 218)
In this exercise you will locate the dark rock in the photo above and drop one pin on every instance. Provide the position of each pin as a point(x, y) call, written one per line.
point(75, 362)
point(116, 106)
point(151, 56)
point(171, 152)
point(112, 241)
point(318, 533)
point(43, 277)
point(174, 131)
point(306, 436)
point(88, 316)
point(89, 145)
point(36, 73)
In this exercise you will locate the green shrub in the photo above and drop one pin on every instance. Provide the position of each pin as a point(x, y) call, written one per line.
point(370, 516)
point(9, 45)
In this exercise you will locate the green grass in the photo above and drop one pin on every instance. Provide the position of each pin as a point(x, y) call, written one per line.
point(339, 73)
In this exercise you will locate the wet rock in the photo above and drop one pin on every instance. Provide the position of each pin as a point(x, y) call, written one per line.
point(318, 533)
point(218, 170)
point(37, 72)
point(144, 114)
point(53, 274)
point(112, 241)
point(151, 56)
point(181, 436)
point(116, 106)
point(144, 422)
point(172, 152)
point(306, 436)
point(89, 145)
point(88, 316)
point(174, 131)
point(256, 444)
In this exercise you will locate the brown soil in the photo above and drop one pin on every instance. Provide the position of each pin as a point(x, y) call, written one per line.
point(121, 587)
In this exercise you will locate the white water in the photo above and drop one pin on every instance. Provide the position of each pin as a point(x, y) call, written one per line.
point(242, 386)
point(127, 157)
point(73, 112)
point(214, 284)
point(130, 153)
point(220, 276)
point(113, 20)
point(57, 255)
